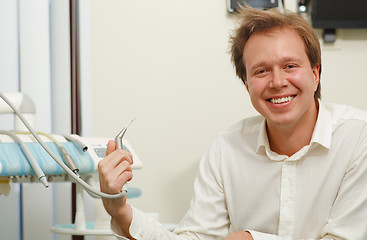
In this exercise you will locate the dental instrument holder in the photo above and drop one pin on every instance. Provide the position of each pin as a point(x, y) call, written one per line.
point(119, 145)
point(100, 227)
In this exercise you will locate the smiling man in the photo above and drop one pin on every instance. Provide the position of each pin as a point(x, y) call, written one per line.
point(296, 171)
point(281, 83)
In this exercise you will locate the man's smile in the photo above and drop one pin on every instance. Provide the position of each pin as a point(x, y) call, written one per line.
point(281, 99)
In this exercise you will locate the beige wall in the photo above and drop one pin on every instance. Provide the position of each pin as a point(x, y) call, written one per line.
point(344, 78)
point(167, 64)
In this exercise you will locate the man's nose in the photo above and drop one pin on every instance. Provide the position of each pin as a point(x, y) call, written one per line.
point(278, 79)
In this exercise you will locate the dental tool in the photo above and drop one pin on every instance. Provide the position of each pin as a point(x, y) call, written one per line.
point(76, 141)
point(68, 159)
point(118, 138)
point(119, 145)
point(87, 187)
point(36, 168)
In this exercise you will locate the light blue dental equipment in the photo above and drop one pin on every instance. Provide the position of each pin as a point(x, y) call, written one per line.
point(39, 157)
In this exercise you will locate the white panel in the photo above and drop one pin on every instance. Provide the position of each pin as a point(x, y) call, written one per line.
point(60, 89)
point(62, 207)
point(10, 214)
point(86, 85)
point(9, 205)
point(9, 70)
point(9, 46)
point(44, 54)
point(35, 68)
point(35, 72)
point(60, 65)
point(37, 211)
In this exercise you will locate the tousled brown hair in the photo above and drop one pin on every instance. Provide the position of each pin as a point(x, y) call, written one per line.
point(253, 20)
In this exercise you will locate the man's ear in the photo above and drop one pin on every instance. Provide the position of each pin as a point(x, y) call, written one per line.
point(245, 82)
point(316, 74)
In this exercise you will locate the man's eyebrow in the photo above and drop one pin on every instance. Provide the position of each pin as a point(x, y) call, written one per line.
point(282, 60)
point(258, 65)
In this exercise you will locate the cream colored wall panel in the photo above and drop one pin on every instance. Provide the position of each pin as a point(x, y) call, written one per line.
point(167, 64)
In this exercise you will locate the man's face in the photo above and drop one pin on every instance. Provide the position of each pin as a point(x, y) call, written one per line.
point(280, 79)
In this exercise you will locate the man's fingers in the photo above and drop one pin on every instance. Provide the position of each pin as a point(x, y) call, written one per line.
point(115, 169)
point(114, 158)
point(124, 177)
point(111, 146)
point(114, 180)
point(122, 167)
point(110, 162)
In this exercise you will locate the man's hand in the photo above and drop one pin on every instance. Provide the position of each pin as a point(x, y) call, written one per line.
point(114, 171)
point(239, 236)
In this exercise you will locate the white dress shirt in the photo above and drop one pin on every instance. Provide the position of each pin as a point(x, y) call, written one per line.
point(320, 192)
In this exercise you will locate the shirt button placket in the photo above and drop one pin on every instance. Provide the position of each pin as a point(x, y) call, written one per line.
point(287, 198)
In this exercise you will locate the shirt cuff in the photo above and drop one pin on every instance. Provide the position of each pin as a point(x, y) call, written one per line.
point(116, 230)
point(136, 230)
point(141, 219)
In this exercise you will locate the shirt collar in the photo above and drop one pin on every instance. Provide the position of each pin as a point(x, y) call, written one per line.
point(262, 140)
point(321, 134)
point(323, 128)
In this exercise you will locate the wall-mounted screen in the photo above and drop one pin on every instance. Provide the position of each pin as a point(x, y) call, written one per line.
point(339, 14)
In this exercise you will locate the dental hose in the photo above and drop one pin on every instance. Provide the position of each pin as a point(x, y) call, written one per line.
point(59, 161)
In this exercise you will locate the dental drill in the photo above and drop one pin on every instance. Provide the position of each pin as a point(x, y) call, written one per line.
point(119, 145)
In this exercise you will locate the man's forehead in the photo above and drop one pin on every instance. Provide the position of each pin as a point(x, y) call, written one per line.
point(267, 37)
point(273, 31)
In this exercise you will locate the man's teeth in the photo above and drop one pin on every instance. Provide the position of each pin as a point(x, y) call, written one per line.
point(281, 100)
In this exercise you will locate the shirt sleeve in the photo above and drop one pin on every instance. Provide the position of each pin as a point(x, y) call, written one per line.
point(207, 217)
point(117, 232)
point(265, 236)
point(348, 215)
point(144, 227)
point(208, 214)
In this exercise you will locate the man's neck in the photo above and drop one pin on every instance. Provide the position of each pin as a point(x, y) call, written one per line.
point(287, 140)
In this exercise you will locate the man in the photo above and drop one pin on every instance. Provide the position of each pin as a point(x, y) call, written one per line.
point(298, 171)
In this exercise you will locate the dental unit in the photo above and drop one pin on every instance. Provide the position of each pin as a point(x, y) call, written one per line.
point(30, 156)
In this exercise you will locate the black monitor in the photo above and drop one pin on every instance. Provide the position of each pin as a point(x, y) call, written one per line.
point(333, 14)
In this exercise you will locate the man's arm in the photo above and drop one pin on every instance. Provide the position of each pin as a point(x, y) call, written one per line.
point(114, 171)
point(347, 218)
point(199, 223)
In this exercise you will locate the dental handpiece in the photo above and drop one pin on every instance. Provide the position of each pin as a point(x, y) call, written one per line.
point(119, 145)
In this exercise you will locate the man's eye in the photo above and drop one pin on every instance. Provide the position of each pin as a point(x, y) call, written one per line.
point(260, 71)
point(290, 66)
